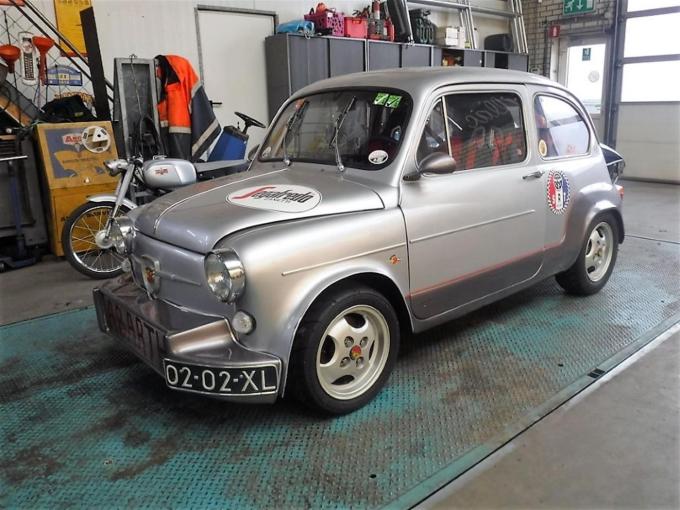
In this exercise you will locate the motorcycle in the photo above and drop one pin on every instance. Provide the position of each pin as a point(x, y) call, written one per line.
point(86, 233)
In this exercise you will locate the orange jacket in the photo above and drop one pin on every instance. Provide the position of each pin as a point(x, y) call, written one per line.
point(188, 123)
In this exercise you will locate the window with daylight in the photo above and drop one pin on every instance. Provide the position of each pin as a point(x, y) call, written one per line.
point(561, 129)
point(651, 62)
point(643, 5)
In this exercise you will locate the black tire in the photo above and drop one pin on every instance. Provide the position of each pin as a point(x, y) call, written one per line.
point(577, 280)
point(73, 257)
point(303, 380)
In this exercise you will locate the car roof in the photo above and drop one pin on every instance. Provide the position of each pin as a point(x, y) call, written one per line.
point(421, 80)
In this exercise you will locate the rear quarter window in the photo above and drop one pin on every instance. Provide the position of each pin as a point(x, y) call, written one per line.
point(562, 131)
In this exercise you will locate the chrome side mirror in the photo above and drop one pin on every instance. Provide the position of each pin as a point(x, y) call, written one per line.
point(437, 163)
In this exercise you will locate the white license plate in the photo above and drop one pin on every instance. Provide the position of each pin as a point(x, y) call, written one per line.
point(221, 381)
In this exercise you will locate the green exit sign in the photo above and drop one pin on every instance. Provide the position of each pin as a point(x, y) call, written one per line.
point(578, 6)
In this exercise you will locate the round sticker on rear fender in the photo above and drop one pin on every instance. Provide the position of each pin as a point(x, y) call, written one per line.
point(276, 197)
point(378, 157)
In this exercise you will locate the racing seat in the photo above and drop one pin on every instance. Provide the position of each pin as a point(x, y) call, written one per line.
point(215, 169)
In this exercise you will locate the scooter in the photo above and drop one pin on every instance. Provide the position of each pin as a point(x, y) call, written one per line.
point(85, 236)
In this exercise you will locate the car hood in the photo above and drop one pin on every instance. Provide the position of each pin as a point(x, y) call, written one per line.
point(198, 216)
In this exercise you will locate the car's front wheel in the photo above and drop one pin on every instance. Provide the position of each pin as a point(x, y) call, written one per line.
point(595, 261)
point(344, 350)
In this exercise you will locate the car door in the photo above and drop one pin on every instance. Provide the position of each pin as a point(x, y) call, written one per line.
point(565, 145)
point(480, 229)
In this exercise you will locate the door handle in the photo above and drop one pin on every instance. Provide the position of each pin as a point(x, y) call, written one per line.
point(533, 175)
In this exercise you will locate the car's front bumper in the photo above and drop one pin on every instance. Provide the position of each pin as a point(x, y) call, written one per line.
point(161, 333)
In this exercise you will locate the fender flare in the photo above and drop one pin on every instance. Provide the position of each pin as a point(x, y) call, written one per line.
point(111, 198)
point(325, 285)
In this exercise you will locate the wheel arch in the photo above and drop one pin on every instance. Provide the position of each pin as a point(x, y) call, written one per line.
point(380, 283)
point(374, 280)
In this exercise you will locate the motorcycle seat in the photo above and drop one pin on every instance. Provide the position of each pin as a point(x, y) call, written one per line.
point(214, 169)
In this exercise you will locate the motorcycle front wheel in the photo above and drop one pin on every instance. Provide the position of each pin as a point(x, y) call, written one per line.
point(84, 243)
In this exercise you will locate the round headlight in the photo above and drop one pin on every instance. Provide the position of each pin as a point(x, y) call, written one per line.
point(116, 238)
point(225, 275)
point(122, 235)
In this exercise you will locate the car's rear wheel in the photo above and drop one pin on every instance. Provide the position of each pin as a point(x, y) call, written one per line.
point(595, 261)
point(344, 350)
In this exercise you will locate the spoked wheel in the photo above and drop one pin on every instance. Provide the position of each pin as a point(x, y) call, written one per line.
point(596, 260)
point(85, 243)
point(344, 350)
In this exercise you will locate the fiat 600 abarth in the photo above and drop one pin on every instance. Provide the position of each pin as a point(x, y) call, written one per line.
point(379, 203)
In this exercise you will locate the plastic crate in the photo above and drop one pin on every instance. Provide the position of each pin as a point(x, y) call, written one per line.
point(328, 19)
point(356, 27)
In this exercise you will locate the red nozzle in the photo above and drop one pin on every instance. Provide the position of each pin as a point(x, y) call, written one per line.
point(10, 54)
point(43, 45)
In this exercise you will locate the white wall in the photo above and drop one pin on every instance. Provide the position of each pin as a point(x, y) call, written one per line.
point(150, 27)
point(648, 138)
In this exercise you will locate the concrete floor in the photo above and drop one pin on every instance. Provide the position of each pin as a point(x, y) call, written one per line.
point(48, 287)
point(617, 446)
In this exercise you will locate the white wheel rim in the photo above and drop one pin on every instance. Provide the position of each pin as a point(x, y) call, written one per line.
point(599, 251)
point(353, 352)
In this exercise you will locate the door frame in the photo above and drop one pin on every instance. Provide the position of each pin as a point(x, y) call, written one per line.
point(227, 10)
point(583, 39)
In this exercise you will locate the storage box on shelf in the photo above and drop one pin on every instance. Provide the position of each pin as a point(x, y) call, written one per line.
point(356, 27)
point(328, 20)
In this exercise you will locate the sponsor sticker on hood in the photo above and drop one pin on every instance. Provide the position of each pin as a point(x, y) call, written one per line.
point(277, 197)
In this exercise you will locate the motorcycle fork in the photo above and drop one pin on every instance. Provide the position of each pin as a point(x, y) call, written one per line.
point(121, 191)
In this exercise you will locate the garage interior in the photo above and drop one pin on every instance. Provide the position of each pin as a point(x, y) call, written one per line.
point(539, 400)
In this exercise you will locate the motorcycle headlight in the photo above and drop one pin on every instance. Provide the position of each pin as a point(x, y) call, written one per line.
point(225, 275)
point(122, 235)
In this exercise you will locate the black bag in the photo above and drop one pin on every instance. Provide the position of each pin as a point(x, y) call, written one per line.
point(66, 109)
point(499, 42)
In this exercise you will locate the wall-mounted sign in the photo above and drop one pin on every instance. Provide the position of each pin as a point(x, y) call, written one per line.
point(585, 56)
point(578, 6)
point(554, 31)
point(64, 76)
point(67, 13)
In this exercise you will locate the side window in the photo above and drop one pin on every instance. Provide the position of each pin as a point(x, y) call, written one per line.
point(561, 129)
point(434, 135)
point(485, 129)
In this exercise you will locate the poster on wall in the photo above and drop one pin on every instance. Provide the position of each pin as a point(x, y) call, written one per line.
point(67, 13)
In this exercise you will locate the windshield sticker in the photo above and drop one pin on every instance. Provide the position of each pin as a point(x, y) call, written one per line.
point(378, 157)
point(393, 101)
point(266, 152)
point(381, 98)
point(542, 148)
point(276, 197)
point(387, 100)
point(558, 192)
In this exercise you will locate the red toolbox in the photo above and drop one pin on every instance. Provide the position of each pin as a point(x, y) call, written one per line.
point(327, 19)
point(356, 27)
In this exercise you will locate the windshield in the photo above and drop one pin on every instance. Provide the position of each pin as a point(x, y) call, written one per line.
point(368, 137)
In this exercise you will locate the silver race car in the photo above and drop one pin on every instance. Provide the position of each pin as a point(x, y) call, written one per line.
point(379, 203)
